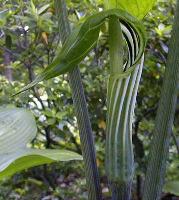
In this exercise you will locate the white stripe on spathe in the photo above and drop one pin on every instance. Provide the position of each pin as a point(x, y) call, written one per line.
point(121, 102)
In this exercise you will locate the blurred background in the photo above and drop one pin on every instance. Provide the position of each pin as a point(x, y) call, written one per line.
point(29, 40)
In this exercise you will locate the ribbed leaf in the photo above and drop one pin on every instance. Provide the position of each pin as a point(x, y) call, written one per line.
point(26, 158)
point(83, 39)
point(137, 8)
point(17, 128)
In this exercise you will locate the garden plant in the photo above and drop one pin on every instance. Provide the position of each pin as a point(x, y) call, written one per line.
point(126, 40)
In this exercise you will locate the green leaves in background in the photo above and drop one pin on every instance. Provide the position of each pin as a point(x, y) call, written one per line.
point(17, 128)
point(3, 17)
point(83, 39)
point(137, 8)
point(172, 187)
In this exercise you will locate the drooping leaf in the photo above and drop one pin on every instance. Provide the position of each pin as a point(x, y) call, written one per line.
point(17, 129)
point(83, 39)
point(26, 158)
point(137, 8)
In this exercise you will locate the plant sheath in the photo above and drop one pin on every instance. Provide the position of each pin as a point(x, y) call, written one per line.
point(121, 97)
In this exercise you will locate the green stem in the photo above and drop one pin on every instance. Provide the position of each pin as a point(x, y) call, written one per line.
point(86, 135)
point(164, 120)
point(121, 191)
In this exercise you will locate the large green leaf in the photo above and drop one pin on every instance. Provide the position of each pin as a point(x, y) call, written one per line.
point(137, 8)
point(83, 39)
point(17, 129)
point(25, 158)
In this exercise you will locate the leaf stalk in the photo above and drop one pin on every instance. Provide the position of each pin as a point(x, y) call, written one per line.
point(159, 148)
point(80, 105)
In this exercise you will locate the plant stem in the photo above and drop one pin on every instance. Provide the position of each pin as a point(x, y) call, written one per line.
point(121, 192)
point(80, 105)
point(159, 148)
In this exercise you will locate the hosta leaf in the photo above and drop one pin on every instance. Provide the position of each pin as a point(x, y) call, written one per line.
point(25, 158)
point(17, 128)
point(137, 8)
point(83, 39)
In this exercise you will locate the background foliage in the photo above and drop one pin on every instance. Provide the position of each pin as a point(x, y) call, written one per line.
point(28, 43)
